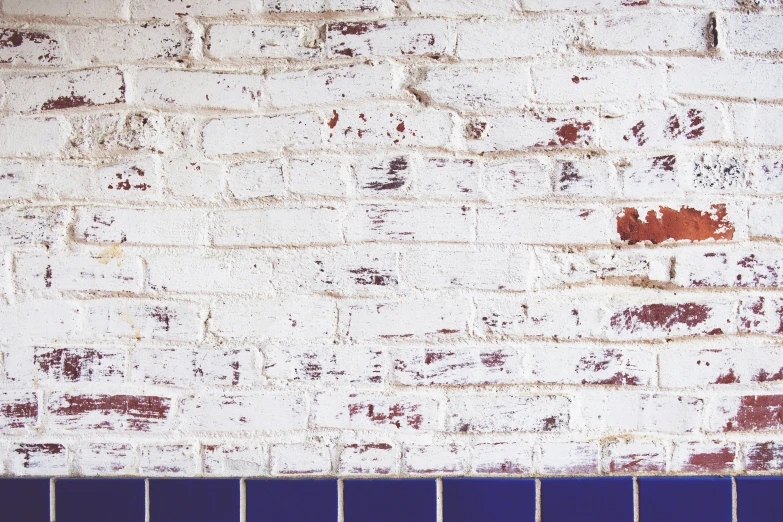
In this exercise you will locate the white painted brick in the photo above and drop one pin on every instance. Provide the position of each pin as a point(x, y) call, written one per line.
point(518, 39)
point(463, 7)
point(32, 226)
point(644, 31)
point(172, 88)
point(64, 90)
point(555, 268)
point(90, 412)
point(300, 459)
point(142, 9)
point(261, 134)
point(763, 219)
point(644, 177)
point(281, 226)
point(575, 5)
point(384, 176)
point(768, 175)
point(331, 85)
point(79, 273)
point(459, 267)
point(256, 180)
point(757, 125)
point(234, 273)
point(24, 47)
point(50, 136)
point(338, 270)
point(187, 368)
point(571, 458)
point(529, 131)
point(143, 319)
point(65, 8)
point(658, 320)
point(136, 180)
point(507, 413)
point(544, 225)
point(528, 177)
point(761, 314)
point(320, 176)
point(78, 365)
point(325, 364)
point(455, 365)
point(388, 125)
point(290, 319)
point(446, 178)
point(596, 82)
point(39, 459)
point(147, 42)
point(634, 456)
point(107, 458)
point(754, 32)
point(234, 460)
point(659, 128)
point(243, 412)
point(410, 318)
point(153, 226)
point(720, 365)
point(193, 179)
point(502, 457)
point(168, 460)
point(376, 458)
point(720, 173)
point(737, 78)
point(227, 42)
point(62, 181)
point(40, 321)
point(713, 267)
point(585, 178)
point(590, 364)
point(364, 411)
point(475, 88)
point(388, 38)
point(409, 223)
point(435, 459)
point(623, 412)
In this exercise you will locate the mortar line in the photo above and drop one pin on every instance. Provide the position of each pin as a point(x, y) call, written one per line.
point(439, 505)
point(340, 501)
point(538, 500)
point(52, 510)
point(146, 500)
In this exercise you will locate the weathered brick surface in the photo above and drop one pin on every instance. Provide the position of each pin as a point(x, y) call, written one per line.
point(393, 238)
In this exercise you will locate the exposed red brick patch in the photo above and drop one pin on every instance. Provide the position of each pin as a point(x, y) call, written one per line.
point(684, 224)
point(140, 411)
point(571, 133)
point(722, 459)
point(757, 412)
point(334, 119)
point(475, 130)
point(18, 412)
point(67, 102)
point(764, 456)
point(661, 316)
point(727, 378)
point(396, 415)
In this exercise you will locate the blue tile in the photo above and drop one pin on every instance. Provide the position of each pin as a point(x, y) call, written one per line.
point(684, 499)
point(489, 500)
point(194, 500)
point(759, 499)
point(106, 500)
point(587, 499)
point(24, 500)
point(408, 500)
point(270, 500)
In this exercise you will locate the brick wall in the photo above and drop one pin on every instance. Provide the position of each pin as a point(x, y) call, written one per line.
point(246, 237)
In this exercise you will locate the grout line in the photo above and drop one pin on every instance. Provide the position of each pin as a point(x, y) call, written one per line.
point(733, 499)
point(242, 500)
point(635, 499)
point(538, 500)
point(51, 500)
point(439, 499)
point(340, 501)
point(146, 500)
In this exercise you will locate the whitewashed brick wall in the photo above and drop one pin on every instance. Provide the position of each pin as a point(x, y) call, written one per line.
point(390, 237)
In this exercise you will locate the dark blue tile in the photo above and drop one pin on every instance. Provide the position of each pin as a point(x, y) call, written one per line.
point(104, 500)
point(270, 500)
point(759, 499)
point(24, 500)
point(684, 499)
point(587, 499)
point(489, 500)
point(408, 500)
point(194, 500)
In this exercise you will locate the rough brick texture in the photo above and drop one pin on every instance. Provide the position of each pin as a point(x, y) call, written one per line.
point(392, 238)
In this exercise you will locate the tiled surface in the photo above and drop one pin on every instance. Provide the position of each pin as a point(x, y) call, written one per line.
point(194, 500)
point(409, 500)
point(685, 499)
point(291, 500)
point(759, 499)
point(24, 500)
point(599, 499)
point(588, 500)
point(489, 500)
point(105, 500)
